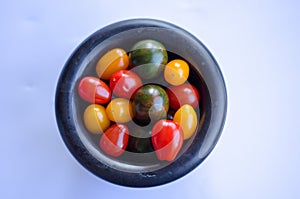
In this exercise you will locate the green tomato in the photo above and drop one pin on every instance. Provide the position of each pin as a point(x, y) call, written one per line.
point(148, 58)
point(150, 103)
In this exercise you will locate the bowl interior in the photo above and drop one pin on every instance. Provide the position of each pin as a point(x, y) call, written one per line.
point(177, 47)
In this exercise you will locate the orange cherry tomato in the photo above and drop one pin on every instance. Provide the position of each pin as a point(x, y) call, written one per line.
point(119, 110)
point(187, 118)
point(176, 72)
point(110, 63)
point(95, 119)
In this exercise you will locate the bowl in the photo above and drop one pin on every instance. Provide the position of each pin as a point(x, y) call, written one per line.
point(141, 169)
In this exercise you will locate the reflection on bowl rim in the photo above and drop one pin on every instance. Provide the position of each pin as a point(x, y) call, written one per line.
point(196, 152)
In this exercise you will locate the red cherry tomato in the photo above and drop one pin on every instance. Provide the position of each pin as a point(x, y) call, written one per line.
point(183, 94)
point(124, 83)
point(94, 90)
point(167, 139)
point(114, 140)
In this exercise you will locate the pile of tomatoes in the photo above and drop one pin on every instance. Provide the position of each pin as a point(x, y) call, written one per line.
point(126, 92)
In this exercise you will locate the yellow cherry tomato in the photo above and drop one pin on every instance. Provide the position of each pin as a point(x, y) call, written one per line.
point(176, 72)
point(110, 63)
point(119, 110)
point(95, 119)
point(187, 119)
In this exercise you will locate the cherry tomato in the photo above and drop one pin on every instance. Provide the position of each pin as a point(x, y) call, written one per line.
point(124, 83)
point(150, 103)
point(148, 58)
point(119, 110)
point(183, 94)
point(187, 118)
point(167, 139)
point(114, 140)
point(94, 90)
point(113, 61)
point(176, 72)
point(95, 119)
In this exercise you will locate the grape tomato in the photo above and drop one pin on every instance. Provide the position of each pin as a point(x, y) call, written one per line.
point(111, 62)
point(183, 94)
point(167, 139)
point(119, 110)
point(124, 83)
point(176, 72)
point(187, 118)
point(114, 140)
point(95, 119)
point(94, 90)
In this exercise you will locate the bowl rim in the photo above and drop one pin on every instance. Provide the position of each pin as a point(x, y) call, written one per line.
point(63, 112)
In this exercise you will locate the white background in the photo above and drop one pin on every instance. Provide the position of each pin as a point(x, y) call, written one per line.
point(256, 44)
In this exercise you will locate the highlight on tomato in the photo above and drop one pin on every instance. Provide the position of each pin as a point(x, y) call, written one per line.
point(114, 140)
point(176, 72)
point(125, 83)
point(167, 139)
point(94, 90)
point(183, 94)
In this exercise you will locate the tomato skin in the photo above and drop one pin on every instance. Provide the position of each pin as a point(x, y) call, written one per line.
point(167, 139)
point(187, 118)
point(124, 83)
point(111, 62)
point(176, 72)
point(119, 110)
point(150, 103)
point(183, 94)
point(148, 58)
point(95, 119)
point(114, 140)
point(94, 90)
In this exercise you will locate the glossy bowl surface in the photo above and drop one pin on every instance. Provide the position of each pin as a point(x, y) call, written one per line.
point(140, 170)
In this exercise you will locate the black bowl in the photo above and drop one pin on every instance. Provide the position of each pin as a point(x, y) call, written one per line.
point(136, 169)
